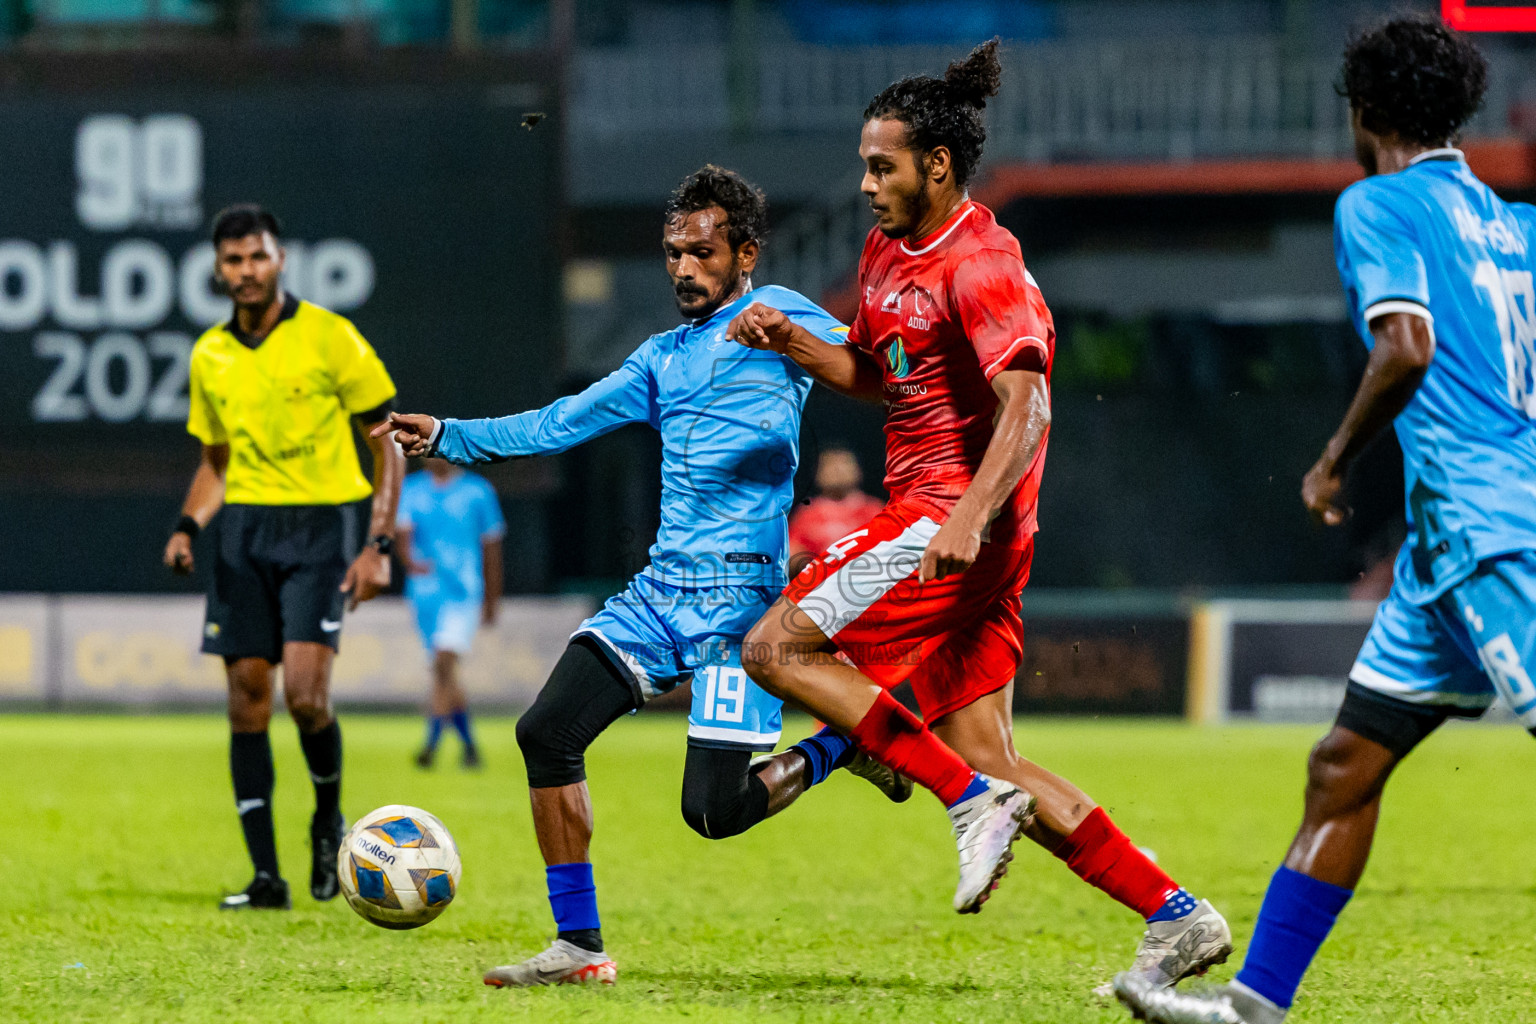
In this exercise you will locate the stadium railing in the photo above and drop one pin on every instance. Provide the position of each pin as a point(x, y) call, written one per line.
point(1168, 99)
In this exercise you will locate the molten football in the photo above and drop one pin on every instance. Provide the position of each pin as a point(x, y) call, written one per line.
point(399, 867)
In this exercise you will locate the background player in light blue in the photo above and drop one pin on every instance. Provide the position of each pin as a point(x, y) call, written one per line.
point(1438, 275)
point(729, 419)
point(448, 533)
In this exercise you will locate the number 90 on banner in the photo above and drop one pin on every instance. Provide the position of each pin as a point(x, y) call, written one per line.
point(147, 172)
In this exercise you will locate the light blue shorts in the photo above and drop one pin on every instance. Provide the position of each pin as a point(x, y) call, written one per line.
point(661, 635)
point(1475, 643)
point(447, 625)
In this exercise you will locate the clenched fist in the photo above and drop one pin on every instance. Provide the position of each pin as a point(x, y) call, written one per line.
point(760, 326)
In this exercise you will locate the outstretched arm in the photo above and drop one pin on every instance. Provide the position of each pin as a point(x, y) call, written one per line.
point(624, 396)
point(1023, 420)
point(1404, 348)
point(842, 368)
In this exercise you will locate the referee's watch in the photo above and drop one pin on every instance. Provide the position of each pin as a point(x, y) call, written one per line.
point(384, 543)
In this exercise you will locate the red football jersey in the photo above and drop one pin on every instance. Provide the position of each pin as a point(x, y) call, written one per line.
point(942, 317)
point(824, 520)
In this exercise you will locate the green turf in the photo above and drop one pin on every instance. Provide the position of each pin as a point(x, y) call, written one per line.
point(121, 835)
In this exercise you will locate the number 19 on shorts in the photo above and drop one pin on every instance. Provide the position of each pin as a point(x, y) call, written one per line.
point(725, 693)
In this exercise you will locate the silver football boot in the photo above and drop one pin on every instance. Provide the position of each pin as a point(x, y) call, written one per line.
point(1171, 951)
point(1232, 1003)
point(563, 963)
point(986, 826)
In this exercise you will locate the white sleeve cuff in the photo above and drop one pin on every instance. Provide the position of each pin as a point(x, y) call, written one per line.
point(1019, 344)
point(437, 433)
point(1397, 306)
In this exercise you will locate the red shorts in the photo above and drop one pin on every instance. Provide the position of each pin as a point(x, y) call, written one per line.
point(956, 639)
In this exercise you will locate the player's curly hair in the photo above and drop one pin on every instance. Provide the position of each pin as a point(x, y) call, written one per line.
point(1415, 78)
point(945, 111)
point(745, 206)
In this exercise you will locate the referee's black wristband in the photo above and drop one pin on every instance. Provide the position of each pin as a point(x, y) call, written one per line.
point(188, 526)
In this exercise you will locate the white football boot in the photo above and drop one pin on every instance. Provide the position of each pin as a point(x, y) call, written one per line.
point(986, 826)
point(563, 963)
point(1232, 1003)
point(1171, 951)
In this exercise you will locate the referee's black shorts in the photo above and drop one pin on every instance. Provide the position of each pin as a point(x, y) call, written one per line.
point(277, 578)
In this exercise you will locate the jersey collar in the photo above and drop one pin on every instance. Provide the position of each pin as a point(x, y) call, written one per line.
point(964, 210)
point(1443, 153)
point(290, 307)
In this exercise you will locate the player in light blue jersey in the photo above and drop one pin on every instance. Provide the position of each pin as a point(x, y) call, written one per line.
point(729, 419)
point(448, 534)
point(1438, 274)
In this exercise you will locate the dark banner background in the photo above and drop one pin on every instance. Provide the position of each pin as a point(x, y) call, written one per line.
point(413, 202)
point(1104, 664)
point(1309, 650)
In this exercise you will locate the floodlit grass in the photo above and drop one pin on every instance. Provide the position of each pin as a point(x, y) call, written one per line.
point(122, 834)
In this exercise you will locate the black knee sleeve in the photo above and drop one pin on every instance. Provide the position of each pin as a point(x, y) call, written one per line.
point(584, 695)
point(721, 797)
point(1395, 724)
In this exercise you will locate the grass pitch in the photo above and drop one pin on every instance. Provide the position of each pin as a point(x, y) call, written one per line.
point(121, 836)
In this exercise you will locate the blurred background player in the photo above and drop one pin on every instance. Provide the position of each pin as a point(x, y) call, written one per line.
point(838, 509)
point(730, 429)
point(1434, 266)
point(273, 393)
point(954, 336)
point(448, 534)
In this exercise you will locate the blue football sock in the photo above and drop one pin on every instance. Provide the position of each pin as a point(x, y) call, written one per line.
point(460, 720)
point(1180, 904)
point(977, 787)
point(824, 753)
point(434, 730)
point(1295, 918)
point(572, 896)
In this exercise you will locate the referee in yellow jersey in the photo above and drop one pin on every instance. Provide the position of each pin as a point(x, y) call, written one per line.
point(272, 393)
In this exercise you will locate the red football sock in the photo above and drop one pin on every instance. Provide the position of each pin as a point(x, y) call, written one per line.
point(896, 738)
point(1104, 857)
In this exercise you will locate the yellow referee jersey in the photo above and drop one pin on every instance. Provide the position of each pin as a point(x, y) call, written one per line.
point(284, 406)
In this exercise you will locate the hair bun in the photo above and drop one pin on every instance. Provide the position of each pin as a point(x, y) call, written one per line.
point(977, 77)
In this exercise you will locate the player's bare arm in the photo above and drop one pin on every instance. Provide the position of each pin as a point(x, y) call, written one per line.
point(1404, 348)
point(1023, 420)
point(369, 573)
point(490, 559)
point(840, 367)
point(204, 498)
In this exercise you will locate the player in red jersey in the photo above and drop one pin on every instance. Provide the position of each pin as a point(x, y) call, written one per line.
point(953, 335)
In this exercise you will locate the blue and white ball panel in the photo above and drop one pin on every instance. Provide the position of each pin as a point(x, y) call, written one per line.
point(399, 867)
point(663, 634)
point(1474, 643)
point(447, 625)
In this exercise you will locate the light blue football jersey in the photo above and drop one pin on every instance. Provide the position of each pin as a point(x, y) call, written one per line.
point(1435, 241)
point(729, 419)
point(448, 524)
